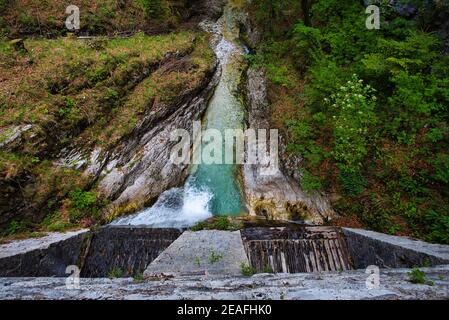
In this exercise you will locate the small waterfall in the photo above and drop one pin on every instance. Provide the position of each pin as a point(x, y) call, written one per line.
point(175, 208)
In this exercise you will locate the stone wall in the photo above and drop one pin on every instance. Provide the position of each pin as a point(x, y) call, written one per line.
point(46, 257)
point(127, 250)
point(385, 251)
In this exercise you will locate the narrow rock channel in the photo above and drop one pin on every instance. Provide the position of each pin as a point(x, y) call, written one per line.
point(211, 189)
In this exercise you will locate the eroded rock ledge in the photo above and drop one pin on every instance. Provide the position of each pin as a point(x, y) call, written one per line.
point(139, 170)
point(276, 195)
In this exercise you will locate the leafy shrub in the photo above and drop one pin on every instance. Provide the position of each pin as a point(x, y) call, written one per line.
point(441, 167)
point(353, 105)
point(110, 95)
point(438, 225)
point(83, 204)
point(138, 277)
point(83, 200)
point(352, 182)
point(217, 223)
point(344, 133)
point(268, 269)
point(222, 223)
point(157, 9)
point(309, 182)
point(307, 42)
point(327, 78)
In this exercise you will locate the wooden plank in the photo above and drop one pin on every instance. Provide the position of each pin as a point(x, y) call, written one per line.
point(314, 249)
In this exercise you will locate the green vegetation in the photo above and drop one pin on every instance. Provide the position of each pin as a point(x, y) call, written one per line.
point(366, 109)
point(215, 257)
point(247, 270)
point(418, 276)
point(84, 204)
point(217, 223)
point(115, 273)
point(138, 277)
point(268, 269)
point(83, 93)
point(158, 9)
point(105, 17)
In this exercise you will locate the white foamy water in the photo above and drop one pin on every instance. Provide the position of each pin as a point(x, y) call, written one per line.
point(224, 51)
point(175, 208)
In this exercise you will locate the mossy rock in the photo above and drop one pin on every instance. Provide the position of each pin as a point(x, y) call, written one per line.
point(18, 45)
point(297, 211)
point(265, 208)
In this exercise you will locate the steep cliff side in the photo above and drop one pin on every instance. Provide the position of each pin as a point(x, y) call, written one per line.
point(85, 123)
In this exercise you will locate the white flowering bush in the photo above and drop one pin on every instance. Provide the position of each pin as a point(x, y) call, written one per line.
point(353, 107)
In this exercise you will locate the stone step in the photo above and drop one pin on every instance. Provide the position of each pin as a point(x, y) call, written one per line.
point(208, 252)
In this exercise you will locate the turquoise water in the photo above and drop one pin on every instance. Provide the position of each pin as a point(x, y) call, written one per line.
point(220, 179)
point(211, 189)
point(225, 111)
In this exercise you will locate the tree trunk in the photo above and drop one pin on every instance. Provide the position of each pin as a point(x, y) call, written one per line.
point(305, 7)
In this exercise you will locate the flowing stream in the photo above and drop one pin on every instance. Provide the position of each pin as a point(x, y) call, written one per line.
point(211, 189)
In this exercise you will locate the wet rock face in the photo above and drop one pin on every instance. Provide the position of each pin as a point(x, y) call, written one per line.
point(211, 9)
point(275, 195)
point(138, 170)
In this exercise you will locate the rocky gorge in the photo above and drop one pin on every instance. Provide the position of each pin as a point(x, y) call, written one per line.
point(91, 194)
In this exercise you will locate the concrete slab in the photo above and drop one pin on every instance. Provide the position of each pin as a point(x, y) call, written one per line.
point(201, 253)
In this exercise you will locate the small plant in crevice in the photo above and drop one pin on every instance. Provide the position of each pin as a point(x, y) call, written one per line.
point(222, 223)
point(115, 273)
point(247, 270)
point(15, 227)
point(138, 277)
point(268, 269)
point(215, 257)
point(418, 276)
